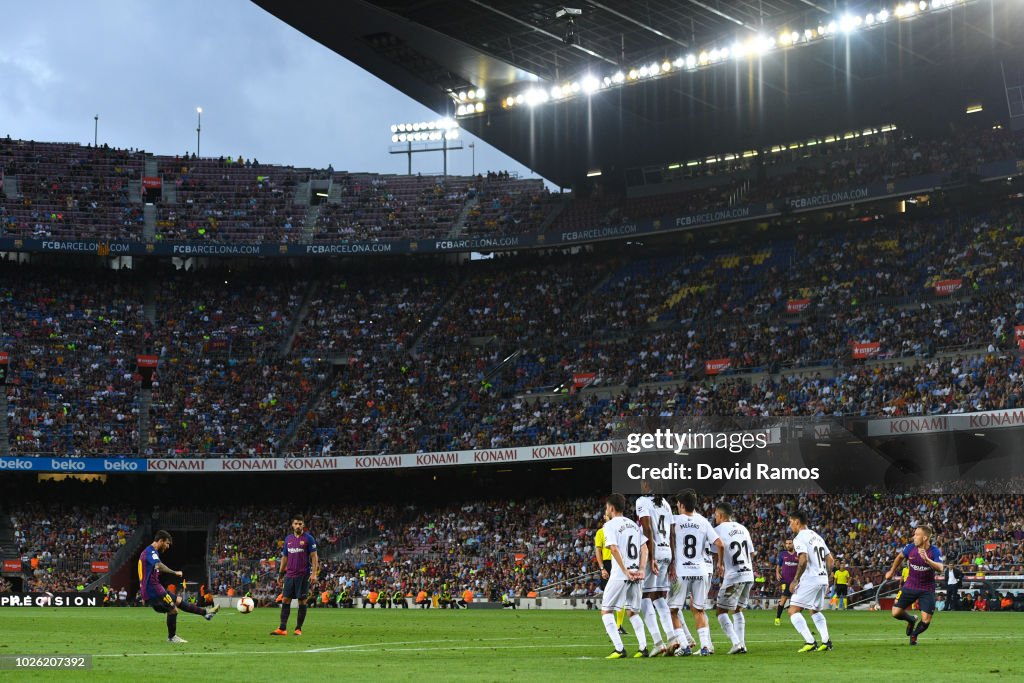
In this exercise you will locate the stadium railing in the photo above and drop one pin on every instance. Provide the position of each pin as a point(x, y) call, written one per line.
point(549, 590)
point(124, 554)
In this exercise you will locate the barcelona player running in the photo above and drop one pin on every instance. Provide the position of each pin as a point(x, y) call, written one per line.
point(924, 561)
point(300, 568)
point(156, 596)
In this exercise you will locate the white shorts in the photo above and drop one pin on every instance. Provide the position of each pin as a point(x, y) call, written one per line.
point(810, 596)
point(621, 594)
point(694, 587)
point(734, 596)
point(655, 584)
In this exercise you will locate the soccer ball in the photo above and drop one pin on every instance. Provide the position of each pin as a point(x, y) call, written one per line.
point(246, 605)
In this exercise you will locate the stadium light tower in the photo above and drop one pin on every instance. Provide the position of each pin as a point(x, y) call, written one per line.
point(96, 130)
point(199, 127)
point(427, 136)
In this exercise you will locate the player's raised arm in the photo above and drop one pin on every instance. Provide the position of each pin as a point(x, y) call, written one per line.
point(925, 554)
point(163, 568)
point(895, 565)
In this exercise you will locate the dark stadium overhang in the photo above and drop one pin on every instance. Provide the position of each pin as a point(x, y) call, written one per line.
point(921, 73)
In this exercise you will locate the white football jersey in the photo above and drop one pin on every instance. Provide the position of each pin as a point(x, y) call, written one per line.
point(739, 549)
point(661, 524)
point(694, 534)
point(624, 533)
point(813, 545)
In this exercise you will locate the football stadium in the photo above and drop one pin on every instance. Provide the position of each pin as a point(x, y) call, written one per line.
point(721, 366)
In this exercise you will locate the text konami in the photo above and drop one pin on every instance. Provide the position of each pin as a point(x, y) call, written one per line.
point(506, 455)
point(369, 462)
point(543, 452)
point(437, 459)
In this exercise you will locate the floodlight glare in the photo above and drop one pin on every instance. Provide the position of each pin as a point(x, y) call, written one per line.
point(691, 61)
point(394, 138)
point(535, 96)
point(590, 84)
point(619, 77)
point(481, 94)
point(479, 107)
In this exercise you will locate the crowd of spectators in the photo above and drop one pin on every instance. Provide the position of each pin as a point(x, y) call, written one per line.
point(491, 354)
point(64, 191)
point(59, 543)
point(67, 191)
point(374, 207)
point(222, 384)
point(229, 200)
point(75, 335)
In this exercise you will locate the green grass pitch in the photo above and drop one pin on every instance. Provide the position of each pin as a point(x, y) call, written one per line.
point(491, 645)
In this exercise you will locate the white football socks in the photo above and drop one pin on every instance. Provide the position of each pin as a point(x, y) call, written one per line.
point(819, 623)
point(800, 624)
point(612, 630)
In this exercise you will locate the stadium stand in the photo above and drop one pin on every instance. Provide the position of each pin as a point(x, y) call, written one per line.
point(65, 191)
point(486, 354)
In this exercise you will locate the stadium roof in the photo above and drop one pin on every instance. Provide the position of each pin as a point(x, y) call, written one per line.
point(922, 68)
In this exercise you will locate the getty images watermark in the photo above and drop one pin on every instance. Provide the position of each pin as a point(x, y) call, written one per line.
point(666, 439)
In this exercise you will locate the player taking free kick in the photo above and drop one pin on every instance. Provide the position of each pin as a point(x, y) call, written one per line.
point(156, 596)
